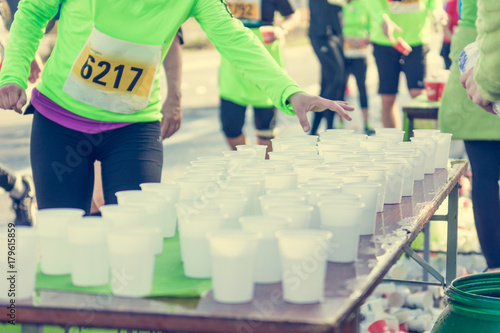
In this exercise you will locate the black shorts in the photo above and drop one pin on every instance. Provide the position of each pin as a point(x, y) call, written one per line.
point(232, 117)
point(390, 62)
point(63, 159)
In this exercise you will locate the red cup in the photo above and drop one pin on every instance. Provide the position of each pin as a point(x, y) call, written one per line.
point(402, 46)
point(379, 326)
point(267, 32)
point(432, 90)
point(441, 86)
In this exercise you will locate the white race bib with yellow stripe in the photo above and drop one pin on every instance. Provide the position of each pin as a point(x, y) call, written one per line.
point(248, 11)
point(113, 75)
point(405, 6)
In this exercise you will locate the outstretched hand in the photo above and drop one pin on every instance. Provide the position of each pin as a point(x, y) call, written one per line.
point(12, 97)
point(389, 27)
point(303, 103)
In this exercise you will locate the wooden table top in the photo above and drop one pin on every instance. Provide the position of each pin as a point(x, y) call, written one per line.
point(346, 288)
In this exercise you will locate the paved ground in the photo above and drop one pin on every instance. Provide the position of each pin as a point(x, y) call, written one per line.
point(200, 133)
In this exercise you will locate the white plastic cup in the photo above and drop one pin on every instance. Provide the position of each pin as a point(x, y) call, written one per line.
point(233, 255)
point(394, 186)
point(52, 228)
point(195, 187)
point(443, 150)
point(169, 190)
point(266, 201)
point(157, 208)
point(415, 149)
point(123, 216)
point(280, 181)
point(352, 177)
point(423, 300)
point(429, 148)
point(304, 171)
point(89, 253)
point(409, 174)
point(299, 216)
point(23, 242)
point(232, 208)
point(314, 191)
point(132, 262)
point(194, 244)
point(377, 175)
point(303, 262)
point(267, 261)
point(343, 219)
point(369, 193)
point(259, 151)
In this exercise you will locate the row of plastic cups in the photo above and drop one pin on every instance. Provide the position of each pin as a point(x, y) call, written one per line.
point(441, 141)
point(94, 250)
point(233, 256)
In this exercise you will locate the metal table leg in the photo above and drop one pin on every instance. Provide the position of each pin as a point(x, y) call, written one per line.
point(452, 217)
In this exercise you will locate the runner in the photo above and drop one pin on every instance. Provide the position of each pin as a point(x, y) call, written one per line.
point(325, 33)
point(405, 21)
point(99, 95)
point(235, 90)
point(356, 44)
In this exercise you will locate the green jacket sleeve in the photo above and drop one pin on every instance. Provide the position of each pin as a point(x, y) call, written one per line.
point(487, 71)
point(244, 50)
point(18, 56)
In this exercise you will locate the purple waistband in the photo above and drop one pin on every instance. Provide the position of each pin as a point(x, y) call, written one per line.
point(68, 119)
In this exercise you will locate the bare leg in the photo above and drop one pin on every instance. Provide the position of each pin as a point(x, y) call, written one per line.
point(416, 92)
point(390, 118)
point(239, 140)
point(98, 195)
point(266, 142)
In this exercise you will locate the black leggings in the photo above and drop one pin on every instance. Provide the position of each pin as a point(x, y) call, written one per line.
point(484, 157)
point(63, 159)
point(331, 57)
point(232, 117)
point(357, 67)
point(7, 178)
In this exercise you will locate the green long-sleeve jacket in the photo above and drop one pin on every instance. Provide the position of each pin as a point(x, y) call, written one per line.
point(487, 70)
point(416, 25)
point(152, 22)
point(458, 114)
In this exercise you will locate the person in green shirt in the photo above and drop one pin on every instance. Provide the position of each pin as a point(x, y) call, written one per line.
point(391, 22)
point(467, 121)
point(479, 129)
point(99, 95)
point(356, 44)
point(236, 92)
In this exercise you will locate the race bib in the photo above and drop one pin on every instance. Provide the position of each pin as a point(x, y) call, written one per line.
point(405, 6)
point(248, 11)
point(351, 51)
point(113, 75)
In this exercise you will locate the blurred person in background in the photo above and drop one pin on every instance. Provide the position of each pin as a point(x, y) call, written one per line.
point(400, 24)
point(236, 91)
point(480, 130)
point(325, 34)
point(451, 9)
point(356, 42)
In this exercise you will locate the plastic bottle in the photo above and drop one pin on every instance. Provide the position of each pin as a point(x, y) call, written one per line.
point(467, 60)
